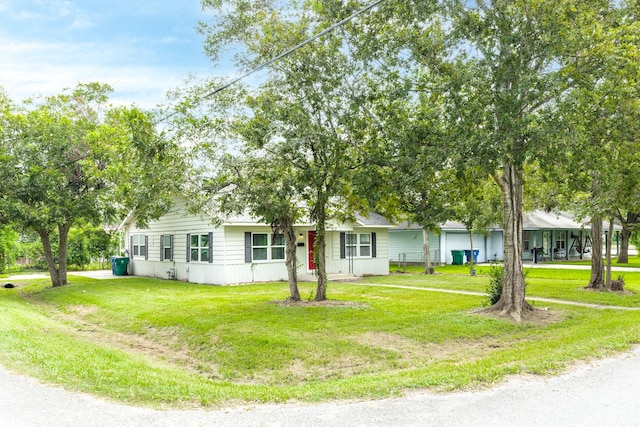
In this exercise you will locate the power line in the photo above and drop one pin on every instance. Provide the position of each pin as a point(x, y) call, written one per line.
point(296, 47)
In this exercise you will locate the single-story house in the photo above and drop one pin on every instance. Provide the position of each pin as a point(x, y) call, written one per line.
point(188, 247)
point(556, 236)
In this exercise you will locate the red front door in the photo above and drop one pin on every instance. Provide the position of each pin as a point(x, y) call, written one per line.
point(311, 242)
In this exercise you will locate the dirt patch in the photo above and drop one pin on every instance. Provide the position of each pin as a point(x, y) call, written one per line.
point(535, 316)
point(158, 343)
point(325, 303)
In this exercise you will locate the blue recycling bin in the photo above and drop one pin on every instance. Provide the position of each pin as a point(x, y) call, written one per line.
point(467, 254)
point(113, 265)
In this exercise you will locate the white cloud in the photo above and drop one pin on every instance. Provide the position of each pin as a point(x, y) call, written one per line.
point(31, 69)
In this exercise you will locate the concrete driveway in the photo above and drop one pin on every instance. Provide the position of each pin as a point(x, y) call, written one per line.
point(601, 393)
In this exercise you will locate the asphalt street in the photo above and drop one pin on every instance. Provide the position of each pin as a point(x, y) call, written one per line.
point(601, 393)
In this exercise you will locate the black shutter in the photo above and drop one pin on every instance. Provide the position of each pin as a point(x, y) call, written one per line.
point(247, 246)
point(373, 245)
point(210, 247)
point(161, 247)
point(188, 247)
point(343, 246)
point(146, 246)
point(131, 247)
point(171, 249)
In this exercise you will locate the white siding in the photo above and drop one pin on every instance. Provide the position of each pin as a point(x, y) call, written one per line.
point(495, 248)
point(460, 241)
point(361, 266)
point(228, 257)
point(410, 244)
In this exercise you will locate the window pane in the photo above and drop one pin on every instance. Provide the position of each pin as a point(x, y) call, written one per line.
point(365, 239)
point(204, 255)
point(351, 251)
point(259, 254)
point(260, 240)
point(365, 251)
point(143, 251)
point(204, 241)
point(351, 239)
point(194, 254)
point(135, 250)
point(135, 239)
point(277, 253)
point(167, 241)
point(167, 254)
point(194, 240)
point(278, 240)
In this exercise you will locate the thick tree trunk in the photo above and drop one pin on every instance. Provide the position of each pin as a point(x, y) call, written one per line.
point(608, 254)
point(597, 265)
point(625, 236)
point(512, 301)
point(319, 253)
point(48, 256)
point(427, 252)
point(291, 261)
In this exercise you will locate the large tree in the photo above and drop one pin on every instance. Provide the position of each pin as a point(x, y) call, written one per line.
point(499, 67)
point(303, 114)
point(71, 158)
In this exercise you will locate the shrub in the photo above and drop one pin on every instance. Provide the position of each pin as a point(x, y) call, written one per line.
point(494, 289)
point(618, 284)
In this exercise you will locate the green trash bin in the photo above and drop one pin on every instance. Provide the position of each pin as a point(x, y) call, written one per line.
point(120, 264)
point(458, 257)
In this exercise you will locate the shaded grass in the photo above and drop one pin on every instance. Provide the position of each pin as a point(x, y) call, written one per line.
point(163, 343)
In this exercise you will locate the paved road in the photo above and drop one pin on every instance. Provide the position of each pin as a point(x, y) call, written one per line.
point(602, 393)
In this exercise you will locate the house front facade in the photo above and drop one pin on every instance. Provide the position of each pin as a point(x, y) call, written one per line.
point(188, 247)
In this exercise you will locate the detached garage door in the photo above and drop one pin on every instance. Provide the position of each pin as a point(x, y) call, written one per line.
point(456, 241)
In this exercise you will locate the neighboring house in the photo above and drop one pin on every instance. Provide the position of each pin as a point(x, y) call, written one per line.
point(406, 243)
point(556, 235)
point(188, 247)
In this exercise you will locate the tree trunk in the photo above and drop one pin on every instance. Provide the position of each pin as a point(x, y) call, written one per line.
point(625, 236)
point(291, 261)
point(63, 235)
point(319, 252)
point(471, 265)
point(608, 254)
point(512, 301)
point(48, 256)
point(597, 265)
point(427, 252)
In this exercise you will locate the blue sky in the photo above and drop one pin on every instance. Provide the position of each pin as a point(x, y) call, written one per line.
point(142, 48)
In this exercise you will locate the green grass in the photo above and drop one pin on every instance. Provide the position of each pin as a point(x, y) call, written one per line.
point(173, 344)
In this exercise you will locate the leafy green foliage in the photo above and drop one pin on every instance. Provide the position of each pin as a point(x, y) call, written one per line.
point(72, 159)
point(494, 288)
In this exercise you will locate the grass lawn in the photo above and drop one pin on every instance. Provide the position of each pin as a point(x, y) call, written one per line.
point(172, 344)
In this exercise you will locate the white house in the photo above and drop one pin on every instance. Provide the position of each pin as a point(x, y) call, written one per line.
point(555, 235)
point(188, 247)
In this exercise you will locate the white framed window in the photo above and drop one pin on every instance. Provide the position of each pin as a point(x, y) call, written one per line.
point(277, 246)
point(358, 245)
point(265, 246)
point(526, 238)
point(560, 242)
point(139, 245)
point(166, 247)
point(199, 248)
point(352, 245)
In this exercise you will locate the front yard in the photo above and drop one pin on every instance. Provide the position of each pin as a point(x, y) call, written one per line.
point(163, 343)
